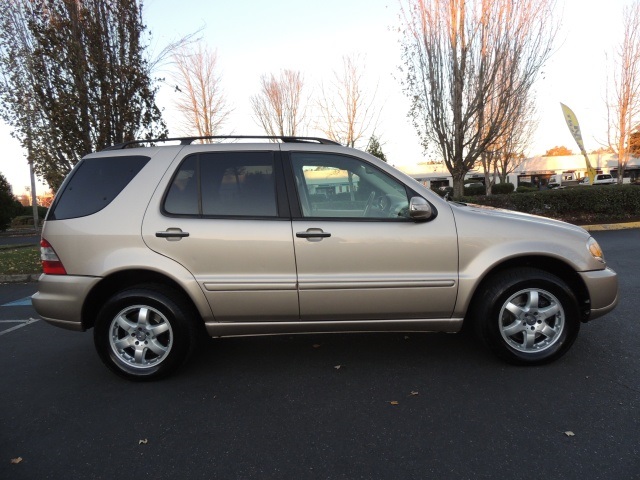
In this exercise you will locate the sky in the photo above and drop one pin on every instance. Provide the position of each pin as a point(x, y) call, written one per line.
point(256, 37)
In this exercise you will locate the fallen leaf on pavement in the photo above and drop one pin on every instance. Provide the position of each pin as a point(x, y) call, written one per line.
point(413, 394)
point(338, 367)
point(16, 460)
point(570, 434)
point(394, 402)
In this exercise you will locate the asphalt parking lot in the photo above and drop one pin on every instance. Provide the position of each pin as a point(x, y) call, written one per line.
point(374, 406)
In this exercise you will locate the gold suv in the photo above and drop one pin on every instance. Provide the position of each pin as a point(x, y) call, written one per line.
point(154, 246)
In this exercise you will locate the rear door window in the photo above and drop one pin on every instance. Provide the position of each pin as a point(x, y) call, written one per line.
point(93, 184)
point(224, 184)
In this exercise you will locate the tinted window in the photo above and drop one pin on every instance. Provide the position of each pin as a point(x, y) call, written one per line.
point(182, 198)
point(224, 184)
point(93, 184)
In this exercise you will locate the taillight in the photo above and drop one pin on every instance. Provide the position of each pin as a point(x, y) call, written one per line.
point(51, 264)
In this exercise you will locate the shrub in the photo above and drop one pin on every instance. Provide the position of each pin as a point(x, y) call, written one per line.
point(578, 205)
point(475, 189)
point(25, 221)
point(42, 211)
point(523, 189)
point(502, 188)
point(317, 197)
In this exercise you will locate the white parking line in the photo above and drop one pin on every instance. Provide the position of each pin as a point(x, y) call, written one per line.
point(23, 323)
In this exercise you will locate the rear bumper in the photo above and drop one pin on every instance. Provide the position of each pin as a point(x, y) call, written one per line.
point(603, 291)
point(60, 298)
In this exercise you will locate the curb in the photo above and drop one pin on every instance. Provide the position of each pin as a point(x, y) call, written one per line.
point(611, 226)
point(21, 278)
point(33, 277)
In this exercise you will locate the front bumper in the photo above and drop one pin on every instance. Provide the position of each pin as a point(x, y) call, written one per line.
point(60, 298)
point(603, 291)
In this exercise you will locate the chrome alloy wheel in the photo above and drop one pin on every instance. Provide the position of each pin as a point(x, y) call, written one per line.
point(140, 336)
point(531, 320)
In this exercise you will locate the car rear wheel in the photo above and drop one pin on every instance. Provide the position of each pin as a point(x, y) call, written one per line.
point(145, 333)
point(527, 316)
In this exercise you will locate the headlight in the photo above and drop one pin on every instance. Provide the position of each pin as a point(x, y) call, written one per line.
point(595, 249)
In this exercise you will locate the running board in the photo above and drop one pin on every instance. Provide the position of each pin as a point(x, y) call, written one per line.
point(239, 329)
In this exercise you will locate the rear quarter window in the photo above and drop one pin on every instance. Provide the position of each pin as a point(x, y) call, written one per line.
point(93, 184)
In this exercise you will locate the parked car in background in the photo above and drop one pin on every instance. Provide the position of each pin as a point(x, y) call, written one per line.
point(153, 247)
point(600, 179)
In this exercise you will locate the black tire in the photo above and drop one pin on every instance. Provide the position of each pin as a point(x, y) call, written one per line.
point(526, 316)
point(145, 332)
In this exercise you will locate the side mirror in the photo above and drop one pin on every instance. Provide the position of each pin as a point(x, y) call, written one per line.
point(419, 209)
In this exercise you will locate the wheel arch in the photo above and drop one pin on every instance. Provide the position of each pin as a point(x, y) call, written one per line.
point(124, 279)
point(550, 265)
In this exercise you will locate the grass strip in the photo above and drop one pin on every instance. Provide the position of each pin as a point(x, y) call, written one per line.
point(19, 259)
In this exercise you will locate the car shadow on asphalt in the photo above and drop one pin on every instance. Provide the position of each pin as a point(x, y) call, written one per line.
point(337, 352)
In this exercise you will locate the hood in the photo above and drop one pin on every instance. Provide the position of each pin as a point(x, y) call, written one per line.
point(513, 216)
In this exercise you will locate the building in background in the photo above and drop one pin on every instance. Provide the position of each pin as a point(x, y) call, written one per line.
point(539, 171)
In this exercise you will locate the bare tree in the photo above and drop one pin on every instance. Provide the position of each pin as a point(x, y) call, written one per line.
point(347, 110)
point(460, 56)
point(507, 151)
point(200, 99)
point(279, 106)
point(623, 109)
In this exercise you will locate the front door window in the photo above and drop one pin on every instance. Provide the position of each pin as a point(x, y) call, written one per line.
point(335, 186)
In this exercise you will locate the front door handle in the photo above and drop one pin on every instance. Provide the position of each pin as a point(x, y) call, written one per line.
point(313, 233)
point(172, 234)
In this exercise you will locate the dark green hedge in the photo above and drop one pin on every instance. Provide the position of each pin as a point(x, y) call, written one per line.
point(502, 188)
point(475, 189)
point(577, 205)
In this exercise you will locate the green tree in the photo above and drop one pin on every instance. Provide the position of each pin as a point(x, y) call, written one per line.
point(375, 149)
point(74, 79)
point(558, 152)
point(8, 204)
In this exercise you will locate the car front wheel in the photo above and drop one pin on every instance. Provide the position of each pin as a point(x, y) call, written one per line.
point(145, 333)
point(527, 316)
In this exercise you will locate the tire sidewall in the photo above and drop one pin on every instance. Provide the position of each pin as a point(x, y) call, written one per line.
point(490, 319)
point(175, 316)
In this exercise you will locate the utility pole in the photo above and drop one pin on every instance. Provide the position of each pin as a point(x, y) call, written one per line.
point(34, 197)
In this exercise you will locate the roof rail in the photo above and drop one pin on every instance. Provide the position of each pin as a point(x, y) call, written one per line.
point(189, 140)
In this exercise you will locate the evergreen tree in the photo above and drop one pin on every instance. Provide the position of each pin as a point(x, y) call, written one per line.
point(8, 204)
point(375, 149)
point(74, 79)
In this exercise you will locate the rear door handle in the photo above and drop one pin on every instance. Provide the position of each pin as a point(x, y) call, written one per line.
point(313, 233)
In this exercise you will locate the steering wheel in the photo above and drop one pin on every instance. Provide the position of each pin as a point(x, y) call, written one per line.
point(369, 203)
point(391, 205)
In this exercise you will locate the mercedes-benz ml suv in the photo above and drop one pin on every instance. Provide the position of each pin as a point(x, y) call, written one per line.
point(155, 246)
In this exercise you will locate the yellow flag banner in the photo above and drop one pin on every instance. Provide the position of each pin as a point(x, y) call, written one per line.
point(574, 128)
